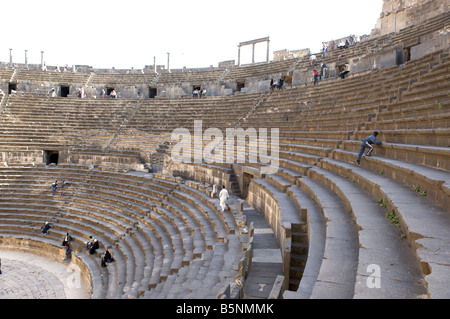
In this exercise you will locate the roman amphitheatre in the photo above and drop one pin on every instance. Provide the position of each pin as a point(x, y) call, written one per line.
point(303, 221)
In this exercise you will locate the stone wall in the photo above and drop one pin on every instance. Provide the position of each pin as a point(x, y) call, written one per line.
point(23, 157)
point(398, 14)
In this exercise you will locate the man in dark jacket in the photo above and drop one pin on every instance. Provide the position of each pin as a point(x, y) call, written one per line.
point(368, 142)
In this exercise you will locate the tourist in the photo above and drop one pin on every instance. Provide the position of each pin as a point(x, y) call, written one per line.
point(323, 71)
point(368, 142)
point(280, 83)
point(345, 71)
point(89, 243)
point(324, 49)
point(316, 76)
point(45, 228)
point(312, 59)
point(68, 250)
point(95, 245)
point(107, 258)
point(54, 187)
point(274, 85)
point(66, 239)
point(223, 195)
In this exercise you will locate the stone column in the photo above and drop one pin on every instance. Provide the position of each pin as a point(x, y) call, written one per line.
point(168, 61)
point(26, 59)
point(267, 57)
point(10, 58)
point(253, 52)
point(42, 60)
point(239, 55)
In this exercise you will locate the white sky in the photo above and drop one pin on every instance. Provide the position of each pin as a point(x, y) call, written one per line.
point(129, 33)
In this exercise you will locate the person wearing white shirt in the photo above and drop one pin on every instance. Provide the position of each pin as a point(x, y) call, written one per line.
point(223, 195)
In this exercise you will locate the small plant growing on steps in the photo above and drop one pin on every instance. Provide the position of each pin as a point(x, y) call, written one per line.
point(393, 218)
point(382, 203)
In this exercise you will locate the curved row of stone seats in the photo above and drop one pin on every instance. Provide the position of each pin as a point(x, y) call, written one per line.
point(175, 113)
point(25, 224)
point(337, 175)
point(273, 198)
point(207, 231)
point(297, 168)
point(61, 121)
point(424, 224)
point(428, 155)
point(36, 205)
point(356, 203)
point(37, 76)
point(439, 137)
point(76, 233)
point(126, 213)
point(197, 76)
point(411, 35)
point(47, 247)
point(152, 126)
point(378, 243)
point(420, 31)
point(406, 37)
point(128, 263)
point(423, 104)
point(108, 79)
point(355, 100)
point(6, 74)
point(218, 264)
point(401, 200)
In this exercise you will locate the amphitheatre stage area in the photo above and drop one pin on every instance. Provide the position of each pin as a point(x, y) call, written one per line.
point(141, 161)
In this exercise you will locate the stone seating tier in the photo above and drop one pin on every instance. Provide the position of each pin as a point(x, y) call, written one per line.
point(153, 229)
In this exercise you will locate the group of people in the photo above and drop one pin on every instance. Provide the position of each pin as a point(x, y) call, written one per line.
point(92, 245)
point(55, 186)
point(199, 92)
point(323, 73)
point(332, 45)
point(276, 83)
point(82, 93)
